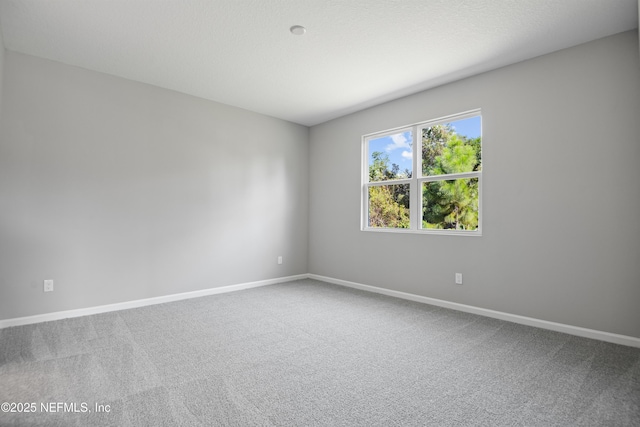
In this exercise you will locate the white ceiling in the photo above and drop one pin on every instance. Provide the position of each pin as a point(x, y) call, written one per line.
point(355, 54)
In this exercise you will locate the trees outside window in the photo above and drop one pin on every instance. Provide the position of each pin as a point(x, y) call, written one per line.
point(444, 196)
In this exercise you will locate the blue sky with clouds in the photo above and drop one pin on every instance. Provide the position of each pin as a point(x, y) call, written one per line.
point(399, 146)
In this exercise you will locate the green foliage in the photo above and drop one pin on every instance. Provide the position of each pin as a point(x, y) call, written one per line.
point(434, 139)
point(379, 170)
point(450, 204)
point(447, 204)
point(385, 210)
point(476, 143)
point(388, 204)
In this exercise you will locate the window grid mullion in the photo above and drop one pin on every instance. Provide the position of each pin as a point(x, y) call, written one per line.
point(449, 176)
point(389, 182)
point(415, 205)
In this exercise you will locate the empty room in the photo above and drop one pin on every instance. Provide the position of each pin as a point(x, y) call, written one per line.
point(319, 213)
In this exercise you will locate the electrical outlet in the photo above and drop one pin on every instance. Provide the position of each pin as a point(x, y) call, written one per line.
point(48, 285)
point(458, 278)
point(280, 259)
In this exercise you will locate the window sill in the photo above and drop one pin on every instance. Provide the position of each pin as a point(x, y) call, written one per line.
point(476, 233)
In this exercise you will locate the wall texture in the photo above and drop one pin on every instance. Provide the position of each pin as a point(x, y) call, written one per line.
point(121, 191)
point(561, 236)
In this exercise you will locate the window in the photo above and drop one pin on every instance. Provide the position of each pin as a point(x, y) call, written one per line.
point(424, 178)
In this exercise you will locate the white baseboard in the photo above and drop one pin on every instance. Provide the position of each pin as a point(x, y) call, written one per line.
point(142, 302)
point(529, 321)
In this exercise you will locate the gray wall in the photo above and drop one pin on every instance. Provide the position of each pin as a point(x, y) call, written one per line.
point(120, 191)
point(561, 207)
point(1, 72)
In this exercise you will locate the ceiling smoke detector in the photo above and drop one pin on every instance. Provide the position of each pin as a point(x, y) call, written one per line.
point(298, 30)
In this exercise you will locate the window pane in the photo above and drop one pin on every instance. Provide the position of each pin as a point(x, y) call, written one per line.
point(390, 157)
point(389, 206)
point(452, 147)
point(450, 204)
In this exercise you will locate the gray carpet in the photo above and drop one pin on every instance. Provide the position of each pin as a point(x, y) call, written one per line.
point(308, 353)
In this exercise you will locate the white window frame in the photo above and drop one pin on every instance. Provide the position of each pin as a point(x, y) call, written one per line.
point(416, 180)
